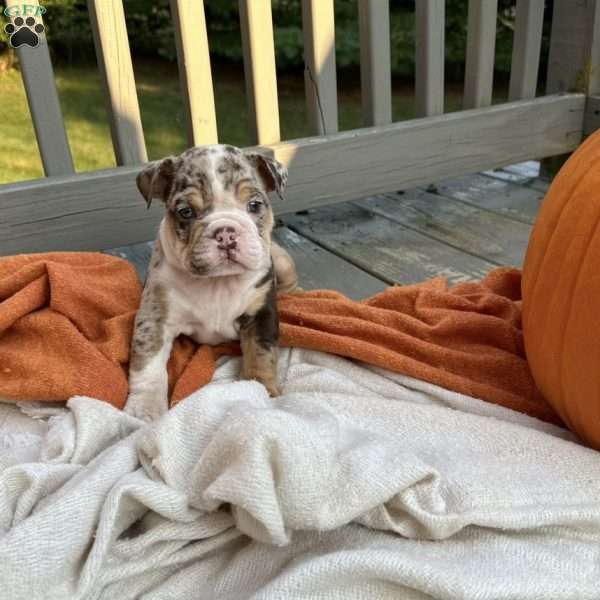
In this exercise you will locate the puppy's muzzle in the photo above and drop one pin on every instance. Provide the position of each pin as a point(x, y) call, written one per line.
point(232, 237)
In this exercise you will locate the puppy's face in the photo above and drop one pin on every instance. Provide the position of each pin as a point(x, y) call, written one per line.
point(218, 215)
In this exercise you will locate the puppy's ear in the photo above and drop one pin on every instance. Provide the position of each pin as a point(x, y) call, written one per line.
point(272, 173)
point(155, 180)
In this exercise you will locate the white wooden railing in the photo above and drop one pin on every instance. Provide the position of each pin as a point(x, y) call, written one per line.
point(102, 209)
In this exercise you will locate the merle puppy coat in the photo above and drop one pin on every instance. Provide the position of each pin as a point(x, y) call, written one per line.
point(214, 272)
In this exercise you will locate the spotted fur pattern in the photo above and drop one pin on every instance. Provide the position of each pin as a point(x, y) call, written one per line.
point(196, 288)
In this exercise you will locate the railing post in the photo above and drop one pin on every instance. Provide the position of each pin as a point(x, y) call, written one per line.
point(319, 60)
point(429, 58)
point(481, 45)
point(375, 69)
point(191, 41)
point(109, 31)
point(259, 69)
point(526, 50)
point(44, 105)
point(574, 58)
point(574, 48)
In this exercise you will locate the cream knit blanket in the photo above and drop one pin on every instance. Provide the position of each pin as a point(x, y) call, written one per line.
point(356, 483)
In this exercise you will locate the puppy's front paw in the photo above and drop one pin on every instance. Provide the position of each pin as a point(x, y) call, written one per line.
point(269, 383)
point(145, 408)
point(272, 388)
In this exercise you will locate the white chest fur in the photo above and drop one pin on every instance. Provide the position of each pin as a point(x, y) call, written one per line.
point(207, 309)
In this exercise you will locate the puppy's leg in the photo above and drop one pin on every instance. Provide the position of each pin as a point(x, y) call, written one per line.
point(150, 351)
point(259, 335)
point(286, 276)
point(149, 384)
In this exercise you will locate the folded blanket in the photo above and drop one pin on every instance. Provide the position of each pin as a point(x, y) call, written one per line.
point(66, 321)
point(356, 483)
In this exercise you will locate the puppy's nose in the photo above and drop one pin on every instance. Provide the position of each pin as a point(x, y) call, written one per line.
point(226, 238)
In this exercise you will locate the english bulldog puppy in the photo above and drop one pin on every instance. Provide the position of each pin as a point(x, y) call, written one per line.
point(214, 272)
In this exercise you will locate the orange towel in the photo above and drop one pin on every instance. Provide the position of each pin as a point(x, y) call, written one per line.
point(66, 321)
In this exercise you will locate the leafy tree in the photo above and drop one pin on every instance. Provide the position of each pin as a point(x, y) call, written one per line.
point(151, 32)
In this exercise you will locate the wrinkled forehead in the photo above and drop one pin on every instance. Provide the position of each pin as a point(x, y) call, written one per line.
point(214, 169)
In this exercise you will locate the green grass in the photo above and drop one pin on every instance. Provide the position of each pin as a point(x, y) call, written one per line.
point(83, 106)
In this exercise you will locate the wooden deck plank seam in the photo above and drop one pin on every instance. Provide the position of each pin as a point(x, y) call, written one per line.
point(322, 244)
point(439, 240)
point(435, 190)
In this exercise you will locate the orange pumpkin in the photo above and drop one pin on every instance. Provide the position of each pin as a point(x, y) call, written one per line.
point(561, 294)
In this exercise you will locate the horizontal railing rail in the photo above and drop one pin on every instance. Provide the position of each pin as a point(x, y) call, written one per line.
point(103, 209)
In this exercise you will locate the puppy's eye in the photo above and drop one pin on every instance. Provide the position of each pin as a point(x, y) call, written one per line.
point(254, 206)
point(186, 212)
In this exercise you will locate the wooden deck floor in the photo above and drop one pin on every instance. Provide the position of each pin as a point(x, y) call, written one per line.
point(460, 228)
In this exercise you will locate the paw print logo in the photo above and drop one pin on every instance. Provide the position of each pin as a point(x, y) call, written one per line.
point(24, 32)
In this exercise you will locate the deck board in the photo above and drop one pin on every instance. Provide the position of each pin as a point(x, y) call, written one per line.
point(137, 254)
point(540, 184)
point(526, 174)
point(318, 268)
point(484, 234)
point(503, 197)
point(385, 248)
point(521, 173)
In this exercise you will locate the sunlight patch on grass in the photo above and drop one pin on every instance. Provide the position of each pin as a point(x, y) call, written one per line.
point(19, 158)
